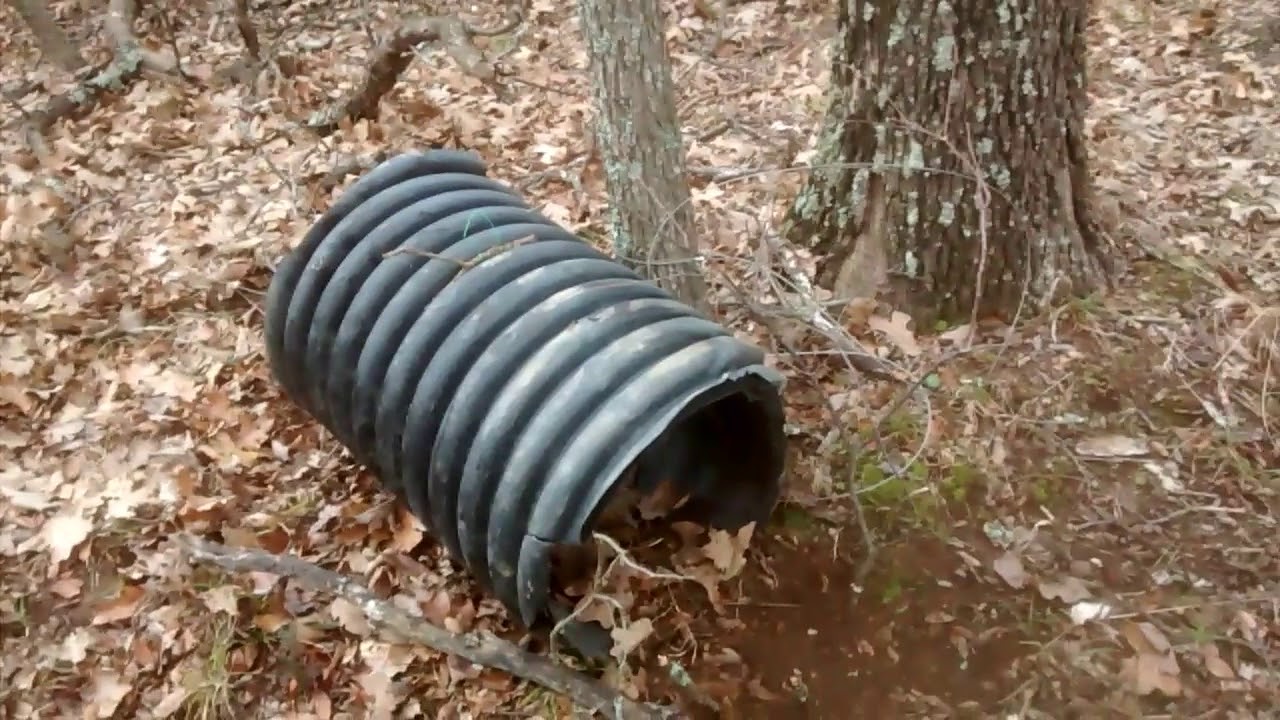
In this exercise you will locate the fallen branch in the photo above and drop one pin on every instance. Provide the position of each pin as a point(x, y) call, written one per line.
point(395, 53)
point(479, 647)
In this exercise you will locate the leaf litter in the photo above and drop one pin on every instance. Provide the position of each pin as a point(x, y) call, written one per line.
point(1124, 449)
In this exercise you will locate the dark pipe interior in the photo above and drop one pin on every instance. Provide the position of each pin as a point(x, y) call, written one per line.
point(726, 452)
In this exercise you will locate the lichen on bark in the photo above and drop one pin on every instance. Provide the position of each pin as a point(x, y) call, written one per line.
point(951, 168)
point(638, 134)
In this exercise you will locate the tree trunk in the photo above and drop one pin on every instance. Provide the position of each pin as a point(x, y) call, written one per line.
point(54, 44)
point(639, 140)
point(951, 170)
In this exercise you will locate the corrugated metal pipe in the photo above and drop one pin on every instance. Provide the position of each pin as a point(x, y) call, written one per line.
point(507, 378)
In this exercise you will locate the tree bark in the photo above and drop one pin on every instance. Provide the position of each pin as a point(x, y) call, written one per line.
point(639, 140)
point(951, 171)
point(54, 44)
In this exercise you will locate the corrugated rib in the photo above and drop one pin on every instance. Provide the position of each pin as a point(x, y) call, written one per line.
point(503, 375)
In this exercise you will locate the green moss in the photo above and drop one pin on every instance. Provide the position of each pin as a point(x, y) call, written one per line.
point(797, 520)
point(960, 481)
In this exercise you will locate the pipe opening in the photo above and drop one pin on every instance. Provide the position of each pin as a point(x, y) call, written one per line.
point(717, 465)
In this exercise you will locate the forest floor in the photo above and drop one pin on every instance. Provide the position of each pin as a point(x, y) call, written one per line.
point(1073, 517)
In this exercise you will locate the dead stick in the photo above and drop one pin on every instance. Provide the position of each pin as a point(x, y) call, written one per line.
point(390, 59)
point(479, 647)
point(247, 32)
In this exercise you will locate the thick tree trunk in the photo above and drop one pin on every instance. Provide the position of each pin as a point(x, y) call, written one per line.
point(952, 168)
point(639, 140)
point(54, 44)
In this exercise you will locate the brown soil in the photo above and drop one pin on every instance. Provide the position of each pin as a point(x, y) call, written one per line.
point(813, 646)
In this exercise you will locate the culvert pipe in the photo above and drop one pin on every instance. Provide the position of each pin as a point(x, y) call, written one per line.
point(507, 378)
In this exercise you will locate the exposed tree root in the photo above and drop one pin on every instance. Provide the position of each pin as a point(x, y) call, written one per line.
point(127, 64)
point(117, 75)
point(481, 648)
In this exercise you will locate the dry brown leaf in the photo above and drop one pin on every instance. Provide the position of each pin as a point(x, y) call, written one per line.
point(626, 639)
point(1009, 567)
point(1148, 673)
point(594, 608)
point(108, 690)
point(437, 607)
point(408, 531)
point(898, 331)
point(350, 617)
point(1069, 589)
point(270, 622)
point(67, 587)
point(1107, 446)
point(62, 533)
point(1214, 663)
point(1158, 642)
point(224, 598)
point(121, 607)
point(728, 551)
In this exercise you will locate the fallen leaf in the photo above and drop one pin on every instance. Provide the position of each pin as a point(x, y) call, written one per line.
point(408, 531)
point(1214, 663)
point(1153, 634)
point(67, 587)
point(269, 622)
point(896, 329)
point(1084, 611)
point(1009, 567)
point(728, 551)
point(594, 608)
point(1069, 590)
point(123, 606)
point(223, 598)
point(437, 608)
point(62, 533)
point(1105, 446)
point(108, 690)
point(350, 617)
point(1150, 672)
point(76, 646)
point(626, 639)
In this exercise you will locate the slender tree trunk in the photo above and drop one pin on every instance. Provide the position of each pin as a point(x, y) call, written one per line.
point(54, 44)
point(953, 171)
point(639, 140)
